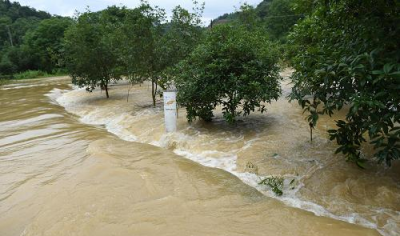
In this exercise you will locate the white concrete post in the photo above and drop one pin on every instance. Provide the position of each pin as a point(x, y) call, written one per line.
point(170, 112)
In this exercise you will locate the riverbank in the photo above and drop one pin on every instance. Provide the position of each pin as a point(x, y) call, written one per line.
point(27, 75)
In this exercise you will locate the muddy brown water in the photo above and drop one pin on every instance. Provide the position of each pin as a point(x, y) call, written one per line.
point(74, 163)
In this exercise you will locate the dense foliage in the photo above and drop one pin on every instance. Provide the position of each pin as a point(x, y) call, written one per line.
point(275, 17)
point(91, 55)
point(347, 54)
point(137, 43)
point(30, 39)
point(234, 68)
point(177, 40)
point(280, 17)
point(45, 44)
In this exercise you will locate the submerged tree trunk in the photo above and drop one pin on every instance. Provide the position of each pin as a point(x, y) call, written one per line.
point(129, 90)
point(311, 128)
point(106, 88)
point(154, 91)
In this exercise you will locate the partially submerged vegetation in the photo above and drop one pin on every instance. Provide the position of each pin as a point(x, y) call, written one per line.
point(347, 53)
point(275, 183)
point(137, 43)
point(344, 52)
point(234, 68)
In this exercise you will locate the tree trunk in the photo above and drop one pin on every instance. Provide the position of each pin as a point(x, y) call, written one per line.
point(106, 88)
point(10, 36)
point(153, 93)
point(311, 128)
point(232, 107)
point(127, 97)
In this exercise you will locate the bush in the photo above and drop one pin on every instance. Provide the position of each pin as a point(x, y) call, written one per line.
point(347, 53)
point(32, 74)
point(234, 68)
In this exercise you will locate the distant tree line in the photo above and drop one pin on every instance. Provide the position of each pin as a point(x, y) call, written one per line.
point(30, 39)
point(276, 17)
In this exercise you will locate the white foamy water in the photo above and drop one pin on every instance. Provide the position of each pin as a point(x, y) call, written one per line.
point(146, 125)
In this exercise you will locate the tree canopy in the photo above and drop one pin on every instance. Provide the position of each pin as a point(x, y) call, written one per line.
point(30, 39)
point(347, 53)
point(233, 67)
point(92, 57)
point(138, 43)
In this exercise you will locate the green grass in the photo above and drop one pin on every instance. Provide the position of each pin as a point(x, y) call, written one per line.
point(3, 82)
point(33, 74)
point(30, 74)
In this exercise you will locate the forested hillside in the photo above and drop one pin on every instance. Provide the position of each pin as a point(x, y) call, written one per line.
point(277, 17)
point(29, 39)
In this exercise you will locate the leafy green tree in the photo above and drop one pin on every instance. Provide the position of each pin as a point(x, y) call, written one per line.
point(139, 35)
point(92, 59)
point(20, 58)
point(181, 35)
point(247, 17)
point(130, 42)
point(17, 50)
point(16, 20)
point(46, 42)
point(21, 26)
point(168, 43)
point(234, 68)
point(135, 42)
point(6, 66)
point(280, 19)
point(263, 8)
point(5, 32)
point(347, 53)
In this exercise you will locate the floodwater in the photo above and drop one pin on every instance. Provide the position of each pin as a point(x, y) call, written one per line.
point(75, 163)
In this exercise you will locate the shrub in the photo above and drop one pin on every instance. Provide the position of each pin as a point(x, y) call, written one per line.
point(234, 68)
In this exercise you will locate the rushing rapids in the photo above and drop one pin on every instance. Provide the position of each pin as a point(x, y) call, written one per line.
point(62, 173)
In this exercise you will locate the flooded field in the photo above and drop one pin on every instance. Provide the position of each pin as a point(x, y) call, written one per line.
point(75, 163)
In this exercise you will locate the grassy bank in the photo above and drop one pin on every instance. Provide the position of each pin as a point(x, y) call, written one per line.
point(2, 82)
point(30, 74)
point(33, 74)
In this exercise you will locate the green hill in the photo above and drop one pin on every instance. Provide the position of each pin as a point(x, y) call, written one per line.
point(16, 20)
point(276, 16)
point(29, 39)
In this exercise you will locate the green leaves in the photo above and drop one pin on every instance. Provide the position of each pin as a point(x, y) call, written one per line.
point(46, 43)
point(351, 56)
point(233, 67)
point(388, 67)
point(275, 183)
point(92, 58)
point(138, 43)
